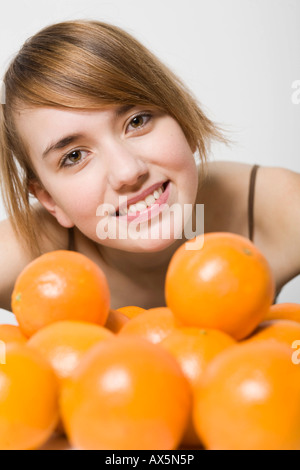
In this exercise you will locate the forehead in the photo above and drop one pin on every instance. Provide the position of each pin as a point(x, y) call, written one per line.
point(48, 115)
point(40, 123)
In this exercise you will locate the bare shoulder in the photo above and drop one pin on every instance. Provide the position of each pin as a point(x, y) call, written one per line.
point(231, 176)
point(224, 193)
point(218, 167)
point(277, 218)
point(276, 211)
point(14, 255)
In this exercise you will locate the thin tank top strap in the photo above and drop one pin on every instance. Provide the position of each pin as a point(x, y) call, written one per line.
point(251, 212)
point(251, 201)
point(71, 242)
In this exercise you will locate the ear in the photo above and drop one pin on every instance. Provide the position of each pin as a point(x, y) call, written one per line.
point(36, 188)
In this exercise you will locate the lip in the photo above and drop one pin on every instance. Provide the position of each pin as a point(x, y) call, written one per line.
point(152, 210)
point(140, 196)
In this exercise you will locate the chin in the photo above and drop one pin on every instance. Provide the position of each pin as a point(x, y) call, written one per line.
point(152, 246)
point(161, 235)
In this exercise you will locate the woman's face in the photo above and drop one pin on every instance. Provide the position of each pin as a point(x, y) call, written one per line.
point(90, 161)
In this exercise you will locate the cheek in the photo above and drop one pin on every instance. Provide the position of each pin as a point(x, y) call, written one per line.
point(79, 196)
point(86, 201)
point(180, 160)
point(176, 151)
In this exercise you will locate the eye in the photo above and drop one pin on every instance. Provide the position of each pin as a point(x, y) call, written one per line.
point(72, 158)
point(139, 121)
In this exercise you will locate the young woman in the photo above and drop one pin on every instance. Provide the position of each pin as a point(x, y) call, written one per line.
point(92, 119)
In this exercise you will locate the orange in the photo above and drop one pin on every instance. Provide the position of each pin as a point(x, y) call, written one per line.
point(11, 333)
point(126, 394)
point(288, 311)
point(60, 285)
point(28, 399)
point(131, 310)
point(115, 321)
point(222, 282)
point(153, 324)
point(249, 399)
point(287, 331)
point(194, 348)
point(64, 343)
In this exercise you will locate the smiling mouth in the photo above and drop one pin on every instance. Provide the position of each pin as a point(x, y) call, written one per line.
point(140, 206)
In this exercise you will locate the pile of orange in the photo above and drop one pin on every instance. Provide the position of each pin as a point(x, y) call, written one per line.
point(214, 368)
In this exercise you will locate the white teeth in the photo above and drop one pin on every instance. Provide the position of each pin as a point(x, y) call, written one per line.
point(150, 200)
point(141, 205)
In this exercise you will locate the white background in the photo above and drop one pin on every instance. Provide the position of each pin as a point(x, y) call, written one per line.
point(239, 57)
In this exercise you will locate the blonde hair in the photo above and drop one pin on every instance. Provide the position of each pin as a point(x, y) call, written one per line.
point(84, 64)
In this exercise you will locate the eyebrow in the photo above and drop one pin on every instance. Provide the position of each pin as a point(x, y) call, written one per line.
point(70, 139)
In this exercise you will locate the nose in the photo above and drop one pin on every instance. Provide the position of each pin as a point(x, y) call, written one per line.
point(125, 166)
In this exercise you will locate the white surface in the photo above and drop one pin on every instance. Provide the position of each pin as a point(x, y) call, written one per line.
point(7, 317)
point(239, 57)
